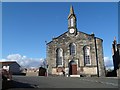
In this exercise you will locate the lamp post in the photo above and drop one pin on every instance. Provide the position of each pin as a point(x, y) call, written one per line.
point(46, 58)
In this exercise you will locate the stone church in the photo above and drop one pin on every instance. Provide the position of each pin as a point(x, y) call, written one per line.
point(75, 52)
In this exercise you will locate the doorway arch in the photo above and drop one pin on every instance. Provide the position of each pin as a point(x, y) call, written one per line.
point(72, 68)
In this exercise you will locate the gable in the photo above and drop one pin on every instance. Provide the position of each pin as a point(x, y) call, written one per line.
point(66, 37)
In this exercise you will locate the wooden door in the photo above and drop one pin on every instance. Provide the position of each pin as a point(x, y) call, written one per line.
point(74, 69)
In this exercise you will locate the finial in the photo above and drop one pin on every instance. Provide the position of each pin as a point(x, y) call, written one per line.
point(115, 42)
point(115, 38)
point(92, 33)
point(45, 41)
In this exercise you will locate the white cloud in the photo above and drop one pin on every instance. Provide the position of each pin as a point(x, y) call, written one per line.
point(108, 62)
point(24, 61)
point(14, 57)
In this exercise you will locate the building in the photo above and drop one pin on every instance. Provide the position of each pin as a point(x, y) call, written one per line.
point(116, 57)
point(75, 52)
point(11, 66)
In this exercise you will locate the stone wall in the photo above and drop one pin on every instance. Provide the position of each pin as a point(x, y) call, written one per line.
point(80, 40)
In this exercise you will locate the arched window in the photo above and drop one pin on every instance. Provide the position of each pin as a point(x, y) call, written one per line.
point(72, 49)
point(87, 58)
point(59, 57)
point(72, 22)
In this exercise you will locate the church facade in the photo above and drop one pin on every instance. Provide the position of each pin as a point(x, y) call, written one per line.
point(75, 52)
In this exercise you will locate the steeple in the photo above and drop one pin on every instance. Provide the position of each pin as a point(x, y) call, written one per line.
point(72, 27)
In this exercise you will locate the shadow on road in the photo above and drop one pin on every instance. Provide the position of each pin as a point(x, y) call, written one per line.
point(14, 84)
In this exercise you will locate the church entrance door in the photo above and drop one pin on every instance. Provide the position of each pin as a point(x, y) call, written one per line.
point(72, 68)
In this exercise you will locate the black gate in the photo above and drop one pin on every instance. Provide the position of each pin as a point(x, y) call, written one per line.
point(42, 71)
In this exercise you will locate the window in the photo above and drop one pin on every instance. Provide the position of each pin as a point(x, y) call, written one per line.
point(59, 57)
point(87, 55)
point(72, 49)
point(69, 22)
point(72, 22)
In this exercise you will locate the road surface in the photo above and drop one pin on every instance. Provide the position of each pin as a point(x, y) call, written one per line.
point(63, 82)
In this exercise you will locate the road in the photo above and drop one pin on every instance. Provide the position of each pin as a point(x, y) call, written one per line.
point(63, 82)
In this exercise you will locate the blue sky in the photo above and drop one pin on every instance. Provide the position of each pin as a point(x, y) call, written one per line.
point(26, 26)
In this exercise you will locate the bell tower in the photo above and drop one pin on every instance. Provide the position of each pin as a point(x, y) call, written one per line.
point(72, 25)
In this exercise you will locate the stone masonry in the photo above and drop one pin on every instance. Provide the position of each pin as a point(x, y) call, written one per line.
point(80, 39)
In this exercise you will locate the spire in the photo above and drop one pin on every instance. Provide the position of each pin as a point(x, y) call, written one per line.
point(71, 11)
point(72, 27)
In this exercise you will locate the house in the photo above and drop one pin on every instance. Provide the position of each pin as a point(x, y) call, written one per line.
point(11, 66)
point(75, 52)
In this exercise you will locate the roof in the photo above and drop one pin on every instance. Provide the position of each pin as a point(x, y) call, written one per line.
point(56, 37)
point(67, 32)
point(8, 62)
point(90, 35)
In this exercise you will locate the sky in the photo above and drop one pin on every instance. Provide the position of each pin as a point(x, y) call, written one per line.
point(26, 26)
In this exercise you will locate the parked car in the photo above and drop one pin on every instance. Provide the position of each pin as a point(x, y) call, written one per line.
point(6, 75)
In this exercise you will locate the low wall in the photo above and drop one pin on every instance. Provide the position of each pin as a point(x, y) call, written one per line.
point(90, 70)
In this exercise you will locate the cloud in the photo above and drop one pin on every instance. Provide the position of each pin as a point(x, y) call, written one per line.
point(14, 57)
point(24, 61)
point(108, 62)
